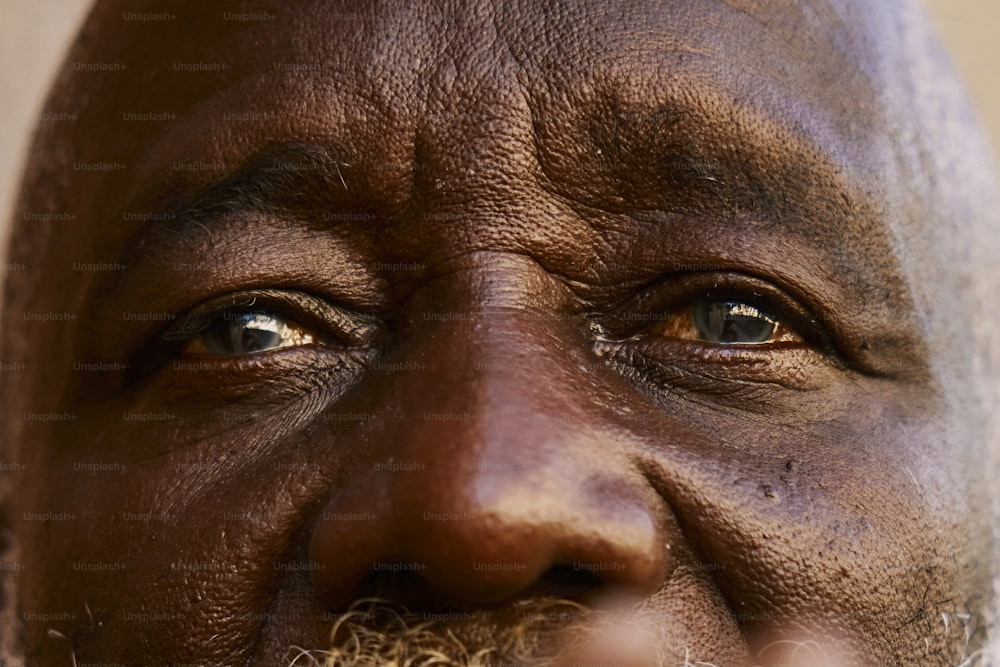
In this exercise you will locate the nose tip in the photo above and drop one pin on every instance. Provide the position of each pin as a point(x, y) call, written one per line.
point(520, 542)
point(544, 541)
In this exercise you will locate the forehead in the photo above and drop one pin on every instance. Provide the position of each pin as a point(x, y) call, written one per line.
point(577, 95)
point(385, 72)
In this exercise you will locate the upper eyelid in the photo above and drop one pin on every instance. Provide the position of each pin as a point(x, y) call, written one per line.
point(677, 292)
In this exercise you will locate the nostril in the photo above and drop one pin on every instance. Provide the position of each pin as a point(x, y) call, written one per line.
point(570, 581)
point(407, 588)
point(391, 583)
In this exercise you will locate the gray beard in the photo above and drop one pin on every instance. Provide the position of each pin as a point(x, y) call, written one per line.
point(538, 633)
point(542, 633)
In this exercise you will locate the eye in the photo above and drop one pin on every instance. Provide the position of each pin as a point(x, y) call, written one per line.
point(260, 321)
point(233, 334)
point(722, 321)
point(714, 334)
point(722, 310)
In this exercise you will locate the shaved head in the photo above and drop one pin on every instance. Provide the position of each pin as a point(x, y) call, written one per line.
point(673, 316)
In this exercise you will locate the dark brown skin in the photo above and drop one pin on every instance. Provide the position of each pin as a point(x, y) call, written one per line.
point(503, 202)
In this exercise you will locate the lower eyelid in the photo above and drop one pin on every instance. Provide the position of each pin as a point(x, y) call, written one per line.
point(741, 358)
point(285, 372)
point(714, 368)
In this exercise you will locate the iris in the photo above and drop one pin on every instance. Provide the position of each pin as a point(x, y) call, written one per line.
point(234, 334)
point(726, 321)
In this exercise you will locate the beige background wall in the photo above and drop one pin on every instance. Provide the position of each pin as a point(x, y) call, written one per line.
point(33, 34)
point(970, 31)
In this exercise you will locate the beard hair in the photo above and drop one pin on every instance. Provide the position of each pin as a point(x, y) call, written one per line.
point(548, 632)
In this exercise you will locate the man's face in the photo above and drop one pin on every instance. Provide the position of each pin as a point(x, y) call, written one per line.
point(474, 308)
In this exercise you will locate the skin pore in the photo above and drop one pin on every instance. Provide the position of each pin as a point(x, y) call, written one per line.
point(457, 306)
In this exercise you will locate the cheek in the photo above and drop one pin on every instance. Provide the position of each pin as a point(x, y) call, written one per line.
point(801, 527)
point(187, 514)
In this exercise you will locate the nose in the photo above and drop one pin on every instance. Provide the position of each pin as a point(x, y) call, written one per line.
point(492, 473)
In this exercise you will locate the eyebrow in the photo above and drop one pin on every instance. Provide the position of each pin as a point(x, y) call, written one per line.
point(283, 177)
point(689, 172)
point(681, 161)
point(694, 161)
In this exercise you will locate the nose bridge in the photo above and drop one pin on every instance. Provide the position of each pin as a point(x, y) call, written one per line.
point(491, 406)
point(501, 406)
point(495, 343)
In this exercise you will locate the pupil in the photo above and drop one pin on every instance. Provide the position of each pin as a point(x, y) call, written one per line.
point(243, 333)
point(721, 321)
point(257, 340)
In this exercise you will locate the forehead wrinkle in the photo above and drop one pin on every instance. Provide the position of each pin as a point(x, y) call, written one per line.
point(663, 67)
point(656, 44)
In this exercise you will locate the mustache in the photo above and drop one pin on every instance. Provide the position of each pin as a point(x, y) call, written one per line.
point(547, 632)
